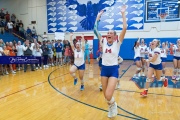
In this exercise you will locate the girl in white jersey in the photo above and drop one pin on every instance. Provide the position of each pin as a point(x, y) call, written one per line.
point(148, 51)
point(163, 57)
point(176, 60)
point(143, 48)
point(79, 63)
point(109, 70)
point(137, 59)
point(155, 66)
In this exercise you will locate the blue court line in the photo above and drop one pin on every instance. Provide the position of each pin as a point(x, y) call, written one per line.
point(125, 71)
point(140, 118)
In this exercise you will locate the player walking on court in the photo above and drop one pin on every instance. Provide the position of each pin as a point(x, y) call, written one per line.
point(109, 70)
point(154, 66)
point(79, 63)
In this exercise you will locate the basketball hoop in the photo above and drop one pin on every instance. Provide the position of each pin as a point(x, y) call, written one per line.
point(163, 17)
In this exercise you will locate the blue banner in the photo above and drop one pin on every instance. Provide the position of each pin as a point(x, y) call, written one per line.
point(19, 59)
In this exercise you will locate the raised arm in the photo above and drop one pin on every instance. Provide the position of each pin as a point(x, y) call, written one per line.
point(71, 41)
point(83, 42)
point(123, 32)
point(96, 32)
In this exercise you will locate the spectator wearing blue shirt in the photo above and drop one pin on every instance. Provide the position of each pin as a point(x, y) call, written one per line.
point(58, 47)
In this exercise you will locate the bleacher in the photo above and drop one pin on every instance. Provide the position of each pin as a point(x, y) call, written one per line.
point(7, 37)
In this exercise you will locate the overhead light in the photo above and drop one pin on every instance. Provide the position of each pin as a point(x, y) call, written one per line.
point(156, 3)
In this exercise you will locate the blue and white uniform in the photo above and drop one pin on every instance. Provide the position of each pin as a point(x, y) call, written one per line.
point(79, 59)
point(176, 52)
point(163, 55)
point(110, 58)
point(136, 54)
point(142, 50)
point(157, 65)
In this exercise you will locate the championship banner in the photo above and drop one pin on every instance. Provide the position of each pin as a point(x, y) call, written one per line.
point(19, 60)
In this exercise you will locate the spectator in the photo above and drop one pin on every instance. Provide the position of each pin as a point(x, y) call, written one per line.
point(2, 16)
point(20, 51)
point(59, 48)
point(1, 65)
point(6, 53)
point(11, 49)
point(45, 37)
point(7, 17)
point(20, 23)
point(13, 18)
point(50, 53)
point(17, 25)
point(10, 27)
point(45, 49)
point(27, 48)
point(33, 32)
point(21, 31)
point(2, 44)
point(38, 53)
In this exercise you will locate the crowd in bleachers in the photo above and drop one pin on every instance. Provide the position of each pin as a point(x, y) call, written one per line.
point(10, 23)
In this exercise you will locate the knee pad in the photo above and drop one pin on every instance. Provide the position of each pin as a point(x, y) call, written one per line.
point(148, 80)
point(139, 69)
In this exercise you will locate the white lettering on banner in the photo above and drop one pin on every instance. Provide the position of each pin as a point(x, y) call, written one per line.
point(22, 60)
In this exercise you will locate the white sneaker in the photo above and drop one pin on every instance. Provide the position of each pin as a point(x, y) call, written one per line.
point(41, 68)
point(36, 68)
point(19, 69)
point(47, 66)
point(100, 87)
point(139, 75)
point(13, 72)
point(177, 78)
point(52, 64)
point(143, 74)
point(44, 66)
point(112, 110)
point(117, 86)
point(7, 73)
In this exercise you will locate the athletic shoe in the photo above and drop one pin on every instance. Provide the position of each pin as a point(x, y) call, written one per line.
point(100, 87)
point(36, 68)
point(144, 93)
point(112, 110)
point(13, 72)
point(173, 77)
point(7, 73)
point(143, 75)
point(82, 87)
point(165, 82)
point(118, 86)
point(41, 68)
point(75, 81)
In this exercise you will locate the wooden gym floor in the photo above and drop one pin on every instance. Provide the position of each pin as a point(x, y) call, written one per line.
point(50, 95)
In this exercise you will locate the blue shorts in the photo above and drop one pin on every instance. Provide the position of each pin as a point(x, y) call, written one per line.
point(156, 67)
point(110, 71)
point(137, 59)
point(82, 67)
point(177, 58)
point(163, 59)
point(100, 62)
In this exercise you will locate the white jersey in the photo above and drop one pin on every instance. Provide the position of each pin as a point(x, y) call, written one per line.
point(142, 50)
point(176, 51)
point(1, 51)
point(110, 52)
point(79, 57)
point(163, 53)
point(158, 52)
point(136, 52)
point(20, 51)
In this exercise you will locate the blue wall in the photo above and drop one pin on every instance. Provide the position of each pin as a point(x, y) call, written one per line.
point(126, 50)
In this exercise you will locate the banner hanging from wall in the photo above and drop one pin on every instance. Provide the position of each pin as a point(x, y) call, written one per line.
point(80, 15)
point(19, 60)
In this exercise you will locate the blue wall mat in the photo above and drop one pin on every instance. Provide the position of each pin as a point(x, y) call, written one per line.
point(80, 15)
point(95, 47)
